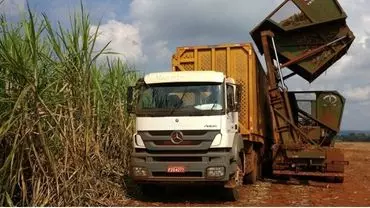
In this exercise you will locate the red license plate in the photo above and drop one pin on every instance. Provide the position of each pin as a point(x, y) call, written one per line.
point(176, 169)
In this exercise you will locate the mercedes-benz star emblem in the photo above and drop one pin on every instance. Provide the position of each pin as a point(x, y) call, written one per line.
point(177, 137)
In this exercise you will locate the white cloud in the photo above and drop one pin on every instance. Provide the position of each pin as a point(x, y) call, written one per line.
point(161, 48)
point(124, 39)
point(12, 7)
point(167, 24)
point(195, 21)
point(358, 94)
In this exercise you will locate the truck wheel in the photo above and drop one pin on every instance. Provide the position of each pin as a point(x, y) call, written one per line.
point(151, 190)
point(266, 170)
point(252, 177)
point(231, 194)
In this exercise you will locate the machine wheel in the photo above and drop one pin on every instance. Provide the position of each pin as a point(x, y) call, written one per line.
point(335, 179)
point(254, 175)
point(332, 143)
point(339, 179)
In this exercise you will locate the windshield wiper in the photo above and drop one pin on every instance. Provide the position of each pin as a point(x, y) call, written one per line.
point(214, 105)
point(180, 103)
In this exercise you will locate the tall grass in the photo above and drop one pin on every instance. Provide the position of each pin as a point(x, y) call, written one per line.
point(64, 131)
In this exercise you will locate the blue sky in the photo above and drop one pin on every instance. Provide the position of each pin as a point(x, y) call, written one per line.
point(147, 32)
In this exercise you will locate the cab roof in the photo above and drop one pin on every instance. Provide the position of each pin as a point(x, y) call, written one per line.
point(184, 76)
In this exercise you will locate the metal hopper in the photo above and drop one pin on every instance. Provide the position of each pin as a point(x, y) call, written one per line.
point(310, 35)
point(306, 36)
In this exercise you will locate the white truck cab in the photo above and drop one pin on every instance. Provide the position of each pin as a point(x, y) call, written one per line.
point(186, 128)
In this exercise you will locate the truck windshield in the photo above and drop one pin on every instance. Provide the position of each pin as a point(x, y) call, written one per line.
point(184, 99)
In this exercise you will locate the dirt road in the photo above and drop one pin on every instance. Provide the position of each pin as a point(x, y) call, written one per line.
point(355, 191)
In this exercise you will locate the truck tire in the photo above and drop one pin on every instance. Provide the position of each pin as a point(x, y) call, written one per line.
point(151, 190)
point(254, 175)
point(267, 165)
point(231, 194)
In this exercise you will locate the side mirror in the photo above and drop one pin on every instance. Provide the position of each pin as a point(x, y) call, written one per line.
point(129, 100)
point(232, 98)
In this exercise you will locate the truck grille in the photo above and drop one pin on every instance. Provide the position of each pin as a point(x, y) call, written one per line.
point(193, 140)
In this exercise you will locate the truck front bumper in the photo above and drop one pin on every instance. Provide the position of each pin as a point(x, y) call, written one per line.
point(195, 165)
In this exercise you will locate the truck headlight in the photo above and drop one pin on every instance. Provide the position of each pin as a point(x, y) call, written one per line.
point(217, 140)
point(215, 172)
point(140, 172)
point(138, 141)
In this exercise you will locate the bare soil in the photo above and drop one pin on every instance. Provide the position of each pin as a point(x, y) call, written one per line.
point(355, 191)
